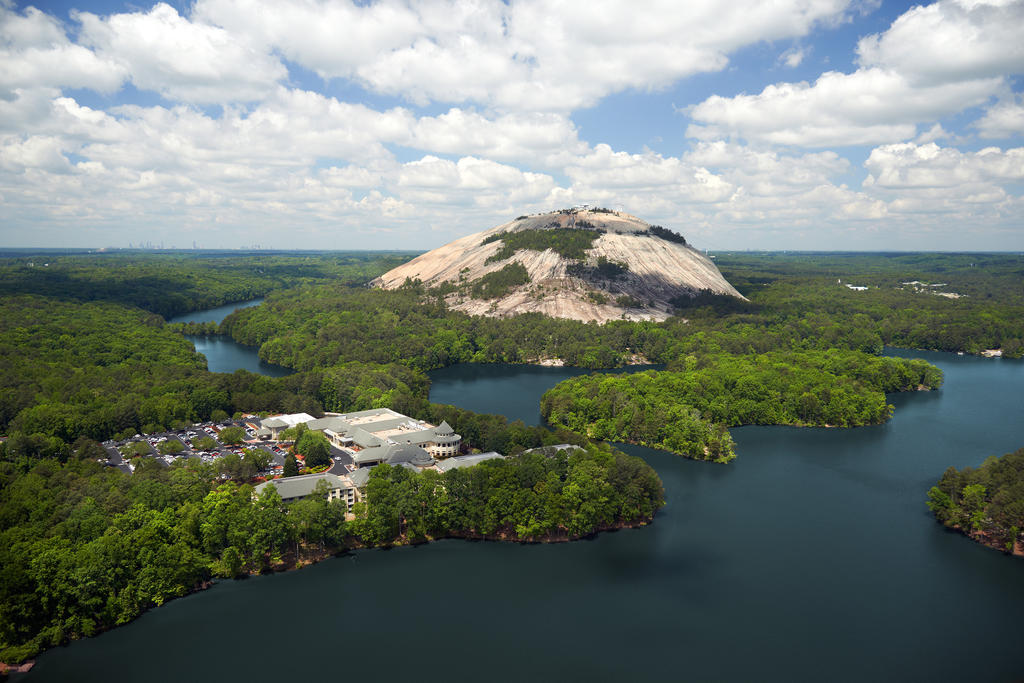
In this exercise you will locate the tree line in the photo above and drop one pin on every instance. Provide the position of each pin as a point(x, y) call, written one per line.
point(84, 548)
point(986, 503)
point(688, 411)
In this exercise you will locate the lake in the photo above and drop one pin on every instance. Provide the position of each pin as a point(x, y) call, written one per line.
point(811, 557)
point(214, 315)
point(224, 354)
point(472, 386)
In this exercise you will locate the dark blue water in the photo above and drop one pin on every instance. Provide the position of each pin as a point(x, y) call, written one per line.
point(810, 558)
point(224, 354)
point(473, 386)
point(214, 315)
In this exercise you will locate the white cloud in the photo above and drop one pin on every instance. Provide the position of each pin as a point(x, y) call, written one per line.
point(540, 137)
point(35, 53)
point(949, 192)
point(182, 60)
point(869, 106)
point(36, 152)
point(324, 172)
point(929, 166)
point(768, 173)
point(793, 57)
point(950, 40)
point(529, 54)
point(931, 63)
point(1002, 120)
point(470, 180)
point(604, 173)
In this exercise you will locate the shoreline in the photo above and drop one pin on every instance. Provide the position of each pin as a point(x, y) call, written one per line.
point(296, 564)
point(983, 539)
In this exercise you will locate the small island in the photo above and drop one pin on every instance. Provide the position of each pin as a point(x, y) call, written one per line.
point(986, 504)
point(688, 411)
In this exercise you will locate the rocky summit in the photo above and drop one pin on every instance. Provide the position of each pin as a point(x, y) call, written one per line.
point(581, 263)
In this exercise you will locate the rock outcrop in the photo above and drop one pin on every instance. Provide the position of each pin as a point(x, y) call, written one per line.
point(630, 270)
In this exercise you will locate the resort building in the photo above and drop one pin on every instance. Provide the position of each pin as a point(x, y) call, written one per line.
point(294, 488)
point(371, 433)
point(277, 424)
point(461, 461)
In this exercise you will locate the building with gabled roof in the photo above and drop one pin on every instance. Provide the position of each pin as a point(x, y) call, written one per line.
point(302, 486)
point(461, 461)
point(278, 423)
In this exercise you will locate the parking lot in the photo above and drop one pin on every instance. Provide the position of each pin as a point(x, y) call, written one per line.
point(150, 446)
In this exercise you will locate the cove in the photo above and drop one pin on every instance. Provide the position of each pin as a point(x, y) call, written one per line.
point(224, 354)
point(510, 390)
point(214, 315)
point(810, 557)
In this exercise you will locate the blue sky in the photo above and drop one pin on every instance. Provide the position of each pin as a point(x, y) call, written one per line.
point(330, 124)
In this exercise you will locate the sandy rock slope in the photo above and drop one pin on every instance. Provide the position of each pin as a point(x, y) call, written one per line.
point(658, 270)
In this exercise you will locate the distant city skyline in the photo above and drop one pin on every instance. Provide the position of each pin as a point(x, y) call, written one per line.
point(395, 125)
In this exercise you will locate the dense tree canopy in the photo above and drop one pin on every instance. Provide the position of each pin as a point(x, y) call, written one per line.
point(571, 243)
point(986, 503)
point(83, 548)
point(687, 411)
point(175, 283)
point(567, 494)
point(315, 448)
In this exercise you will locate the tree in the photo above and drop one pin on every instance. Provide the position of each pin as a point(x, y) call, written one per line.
point(204, 443)
point(170, 447)
point(135, 448)
point(294, 433)
point(259, 458)
point(87, 449)
point(291, 466)
point(231, 561)
point(974, 504)
point(315, 448)
point(317, 454)
point(232, 435)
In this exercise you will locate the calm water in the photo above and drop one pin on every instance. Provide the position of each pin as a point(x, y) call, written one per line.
point(224, 354)
point(811, 558)
point(520, 387)
point(214, 315)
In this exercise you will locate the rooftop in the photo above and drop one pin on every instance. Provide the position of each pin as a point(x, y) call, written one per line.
point(302, 485)
point(460, 461)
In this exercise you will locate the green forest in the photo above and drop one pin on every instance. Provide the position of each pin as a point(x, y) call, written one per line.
point(83, 548)
point(571, 243)
point(688, 411)
point(175, 283)
point(986, 503)
point(85, 355)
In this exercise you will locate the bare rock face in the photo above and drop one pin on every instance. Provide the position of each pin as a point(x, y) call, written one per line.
point(631, 269)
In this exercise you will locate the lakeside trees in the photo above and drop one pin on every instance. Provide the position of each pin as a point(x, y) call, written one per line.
point(84, 548)
point(687, 411)
point(567, 494)
point(986, 503)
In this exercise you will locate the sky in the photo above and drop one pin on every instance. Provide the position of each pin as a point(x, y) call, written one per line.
point(333, 124)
